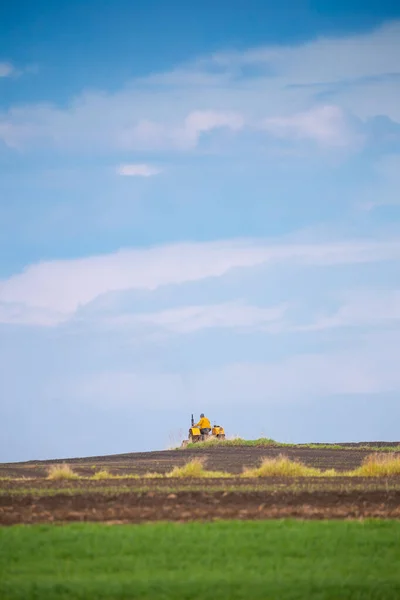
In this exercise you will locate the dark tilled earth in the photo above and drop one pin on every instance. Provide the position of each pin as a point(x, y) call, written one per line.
point(36, 500)
point(198, 505)
point(231, 459)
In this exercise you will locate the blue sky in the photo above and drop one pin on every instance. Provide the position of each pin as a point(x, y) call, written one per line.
point(199, 212)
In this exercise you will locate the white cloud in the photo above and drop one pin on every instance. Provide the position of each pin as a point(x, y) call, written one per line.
point(23, 314)
point(29, 125)
point(63, 286)
point(137, 170)
point(202, 121)
point(325, 59)
point(385, 190)
point(6, 69)
point(358, 72)
point(326, 125)
point(189, 319)
point(369, 367)
point(184, 134)
point(360, 308)
point(303, 376)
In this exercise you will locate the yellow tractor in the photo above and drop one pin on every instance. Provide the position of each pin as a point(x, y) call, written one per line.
point(195, 435)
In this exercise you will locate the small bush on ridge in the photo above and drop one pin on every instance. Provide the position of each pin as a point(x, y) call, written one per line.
point(152, 475)
point(195, 469)
point(282, 466)
point(378, 465)
point(63, 471)
point(103, 474)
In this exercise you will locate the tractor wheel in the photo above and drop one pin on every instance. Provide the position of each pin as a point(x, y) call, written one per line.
point(221, 436)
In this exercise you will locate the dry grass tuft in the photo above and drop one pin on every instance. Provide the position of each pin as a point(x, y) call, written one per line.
point(378, 465)
point(22, 478)
point(194, 469)
point(282, 466)
point(57, 472)
point(103, 474)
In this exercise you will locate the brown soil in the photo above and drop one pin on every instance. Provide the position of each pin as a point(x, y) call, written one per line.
point(135, 500)
point(292, 485)
point(231, 459)
point(197, 505)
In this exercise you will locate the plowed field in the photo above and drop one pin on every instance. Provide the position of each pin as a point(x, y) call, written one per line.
point(195, 505)
point(231, 459)
point(36, 499)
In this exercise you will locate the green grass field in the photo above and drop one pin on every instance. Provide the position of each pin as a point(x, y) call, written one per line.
point(279, 560)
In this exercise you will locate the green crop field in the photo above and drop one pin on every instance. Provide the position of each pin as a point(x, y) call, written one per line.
point(279, 560)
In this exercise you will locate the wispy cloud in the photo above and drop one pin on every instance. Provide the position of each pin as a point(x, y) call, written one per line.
point(189, 319)
point(326, 125)
point(292, 380)
point(214, 95)
point(202, 121)
point(6, 69)
point(385, 191)
point(360, 308)
point(24, 314)
point(63, 286)
point(137, 170)
point(326, 59)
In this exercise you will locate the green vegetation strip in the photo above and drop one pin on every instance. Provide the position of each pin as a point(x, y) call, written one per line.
point(261, 560)
point(289, 487)
point(270, 443)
